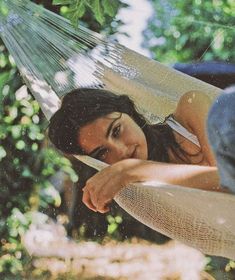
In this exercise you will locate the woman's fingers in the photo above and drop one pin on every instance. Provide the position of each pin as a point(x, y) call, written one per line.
point(92, 190)
point(101, 188)
point(103, 205)
point(100, 207)
point(86, 199)
point(94, 201)
point(104, 209)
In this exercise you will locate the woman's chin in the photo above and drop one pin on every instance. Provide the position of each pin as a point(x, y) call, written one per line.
point(140, 155)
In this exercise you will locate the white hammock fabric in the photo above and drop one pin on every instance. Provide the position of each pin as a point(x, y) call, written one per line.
point(54, 58)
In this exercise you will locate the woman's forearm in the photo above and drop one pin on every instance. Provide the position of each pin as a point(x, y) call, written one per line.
point(193, 176)
point(101, 188)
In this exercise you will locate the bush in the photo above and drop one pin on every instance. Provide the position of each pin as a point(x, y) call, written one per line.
point(194, 30)
point(26, 161)
point(26, 167)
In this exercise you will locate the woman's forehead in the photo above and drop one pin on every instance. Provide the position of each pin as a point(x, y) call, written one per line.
point(102, 121)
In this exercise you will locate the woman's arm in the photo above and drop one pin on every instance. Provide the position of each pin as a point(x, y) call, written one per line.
point(103, 186)
point(192, 111)
point(188, 175)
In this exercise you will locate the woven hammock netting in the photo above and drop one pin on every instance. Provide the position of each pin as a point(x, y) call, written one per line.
point(53, 58)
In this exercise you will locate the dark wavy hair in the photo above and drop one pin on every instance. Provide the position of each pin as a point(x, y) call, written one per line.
point(85, 105)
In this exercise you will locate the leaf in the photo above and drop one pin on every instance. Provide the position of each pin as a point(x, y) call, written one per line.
point(20, 145)
point(61, 2)
point(4, 78)
point(3, 153)
point(81, 9)
point(110, 7)
point(3, 9)
point(98, 11)
point(78, 12)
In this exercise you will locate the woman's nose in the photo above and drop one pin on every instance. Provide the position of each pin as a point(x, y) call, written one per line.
point(121, 151)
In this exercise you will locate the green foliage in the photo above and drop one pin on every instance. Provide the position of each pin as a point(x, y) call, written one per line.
point(113, 225)
point(13, 257)
point(193, 30)
point(27, 162)
point(24, 162)
point(230, 266)
point(3, 9)
point(75, 9)
point(26, 165)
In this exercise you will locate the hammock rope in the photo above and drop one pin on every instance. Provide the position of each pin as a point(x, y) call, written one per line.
point(53, 58)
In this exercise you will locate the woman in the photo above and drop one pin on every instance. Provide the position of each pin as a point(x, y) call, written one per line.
point(108, 127)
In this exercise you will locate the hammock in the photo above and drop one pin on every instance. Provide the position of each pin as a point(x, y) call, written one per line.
point(54, 58)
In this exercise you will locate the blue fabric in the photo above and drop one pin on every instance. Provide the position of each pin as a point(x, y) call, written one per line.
point(221, 133)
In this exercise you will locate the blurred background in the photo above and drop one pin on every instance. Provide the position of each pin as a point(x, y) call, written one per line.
point(43, 222)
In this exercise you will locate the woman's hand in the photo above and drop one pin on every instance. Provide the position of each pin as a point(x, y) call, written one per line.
point(101, 188)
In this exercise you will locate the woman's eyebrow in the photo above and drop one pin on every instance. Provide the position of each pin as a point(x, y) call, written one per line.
point(111, 127)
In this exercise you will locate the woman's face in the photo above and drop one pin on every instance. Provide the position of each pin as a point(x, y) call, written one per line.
point(112, 138)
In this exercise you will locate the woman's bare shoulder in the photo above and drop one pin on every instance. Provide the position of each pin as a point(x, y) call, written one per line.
point(192, 112)
point(192, 105)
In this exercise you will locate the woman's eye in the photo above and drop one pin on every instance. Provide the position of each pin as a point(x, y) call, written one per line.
point(116, 131)
point(102, 154)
